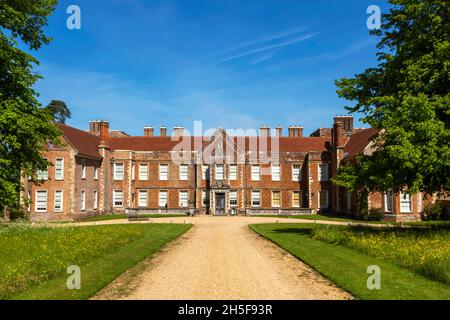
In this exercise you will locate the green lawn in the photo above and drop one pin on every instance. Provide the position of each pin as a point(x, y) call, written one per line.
point(347, 267)
point(123, 216)
point(34, 261)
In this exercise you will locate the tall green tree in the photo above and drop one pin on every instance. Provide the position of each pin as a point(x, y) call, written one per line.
point(406, 95)
point(59, 111)
point(25, 127)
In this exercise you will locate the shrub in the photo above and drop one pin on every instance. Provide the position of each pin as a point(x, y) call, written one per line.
point(375, 214)
point(445, 215)
point(432, 212)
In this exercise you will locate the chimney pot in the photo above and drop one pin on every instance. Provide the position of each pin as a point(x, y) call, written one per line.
point(163, 131)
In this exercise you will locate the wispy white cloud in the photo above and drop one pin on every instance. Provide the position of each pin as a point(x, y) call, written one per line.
point(268, 47)
point(266, 38)
point(264, 57)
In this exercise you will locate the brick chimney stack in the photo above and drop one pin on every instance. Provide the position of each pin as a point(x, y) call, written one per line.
point(347, 123)
point(178, 131)
point(104, 132)
point(279, 131)
point(94, 127)
point(264, 131)
point(295, 131)
point(149, 131)
point(163, 131)
point(338, 133)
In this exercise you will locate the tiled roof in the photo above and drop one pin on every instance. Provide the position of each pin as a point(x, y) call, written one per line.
point(359, 141)
point(287, 144)
point(84, 142)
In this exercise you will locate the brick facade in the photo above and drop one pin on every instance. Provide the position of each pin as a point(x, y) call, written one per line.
point(106, 172)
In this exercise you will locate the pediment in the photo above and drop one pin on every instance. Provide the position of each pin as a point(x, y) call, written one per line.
point(219, 185)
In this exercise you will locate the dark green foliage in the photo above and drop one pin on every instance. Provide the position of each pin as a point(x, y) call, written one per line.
point(25, 127)
point(59, 111)
point(408, 95)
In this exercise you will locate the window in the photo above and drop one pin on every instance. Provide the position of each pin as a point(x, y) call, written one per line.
point(323, 199)
point(205, 198)
point(255, 172)
point(118, 198)
point(206, 172)
point(184, 199)
point(162, 198)
point(83, 168)
point(183, 172)
point(142, 198)
point(41, 201)
point(133, 172)
point(256, 200)
point(143, 172)
point(96, 172)
point(233, 172)
point(118, 171)
point(296, 173)
point(95, 200)
point(405, 202)
point(83, 200)
point(388, 202)
point(323, 172)
point(296, 199)
point(219, 172)
point(59, 169)
point(58, 207)
point(43, 174)
point(275, 173)
point(163, 172)
point(233, 198)
point(276, 199)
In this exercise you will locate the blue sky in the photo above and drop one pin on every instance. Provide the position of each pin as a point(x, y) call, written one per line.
point(233, 64)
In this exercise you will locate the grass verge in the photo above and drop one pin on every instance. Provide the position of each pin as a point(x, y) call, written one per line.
point(347, 267)
point(33, 266)
point(123, 216)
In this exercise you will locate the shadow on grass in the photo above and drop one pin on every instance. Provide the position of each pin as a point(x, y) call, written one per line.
point(303, 231)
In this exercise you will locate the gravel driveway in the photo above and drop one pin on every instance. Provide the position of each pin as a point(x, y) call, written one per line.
point(221, 258)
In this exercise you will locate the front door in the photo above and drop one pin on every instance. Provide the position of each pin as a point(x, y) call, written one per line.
point(220, 203)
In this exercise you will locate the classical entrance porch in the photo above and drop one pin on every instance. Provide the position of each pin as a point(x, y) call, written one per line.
point(221, 208)
point(219, 195)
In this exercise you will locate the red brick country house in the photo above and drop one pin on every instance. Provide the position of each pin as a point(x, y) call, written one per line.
point(101, 171)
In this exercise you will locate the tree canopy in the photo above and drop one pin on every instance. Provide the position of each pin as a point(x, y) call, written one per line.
point(407, 95)
point(59, 111)
point(25, 127)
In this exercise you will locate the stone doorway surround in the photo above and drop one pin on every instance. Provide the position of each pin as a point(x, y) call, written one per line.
point(219, 187)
